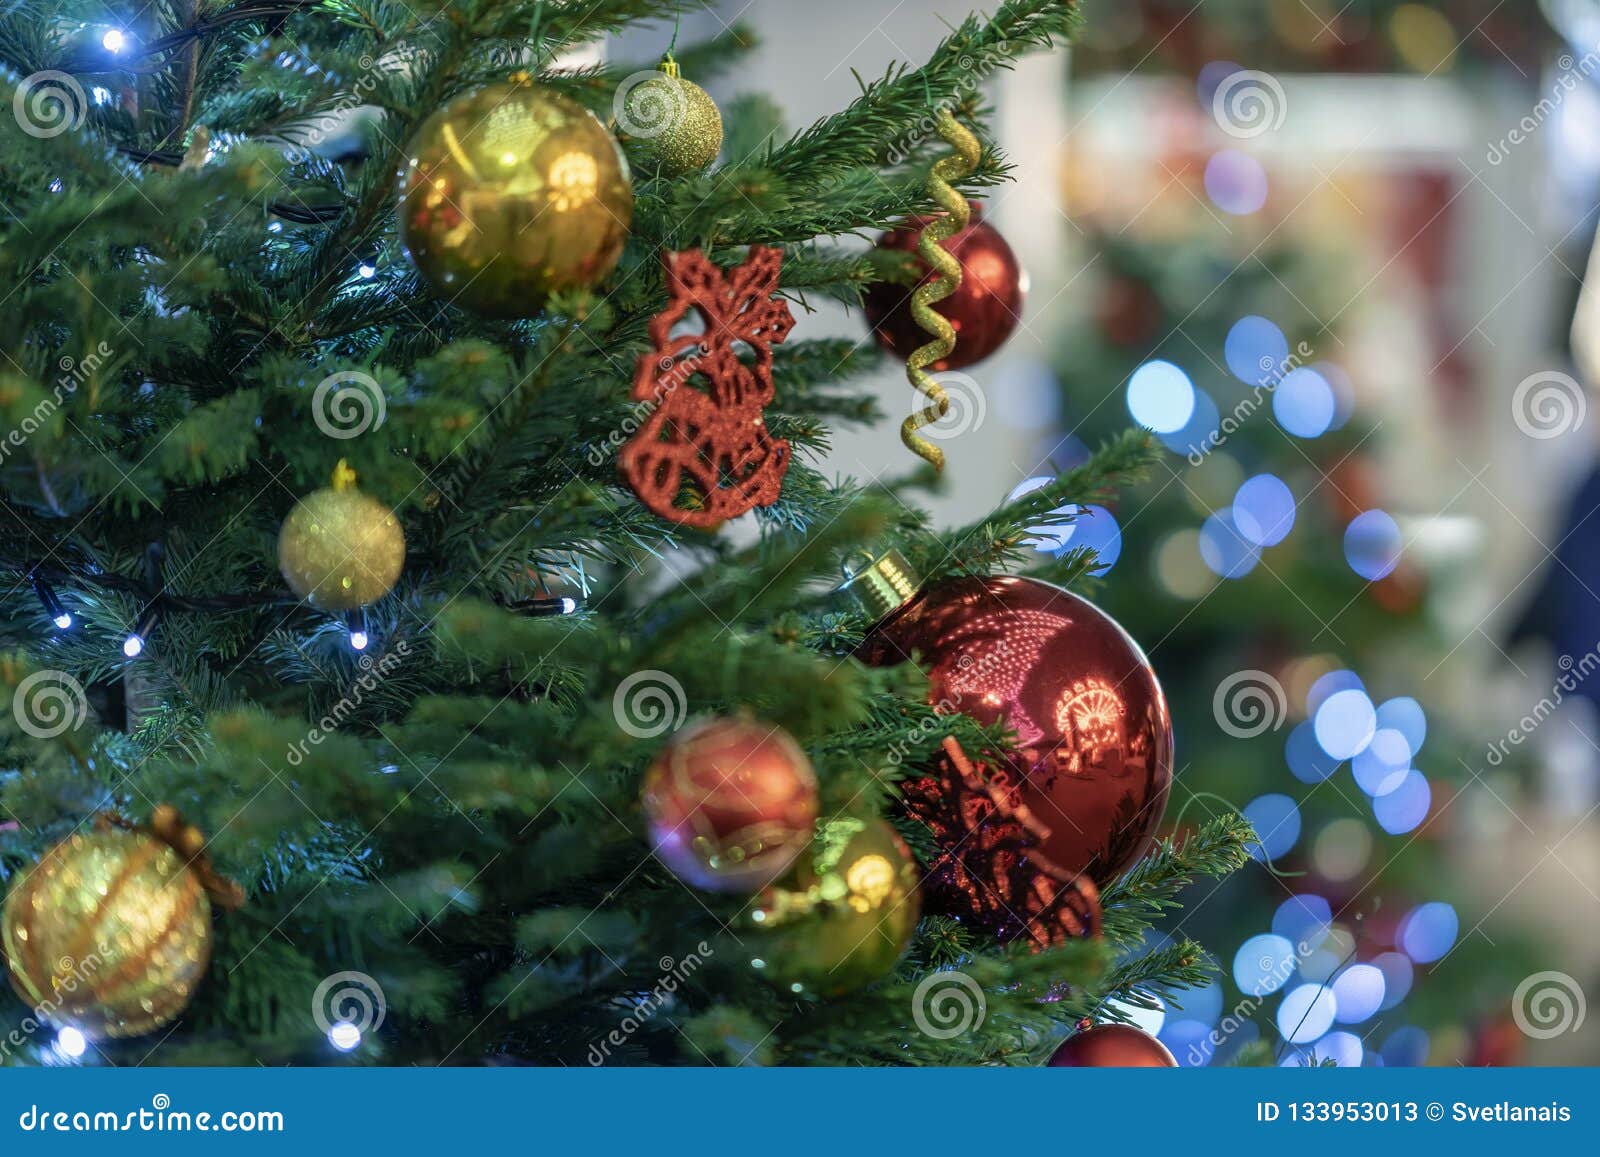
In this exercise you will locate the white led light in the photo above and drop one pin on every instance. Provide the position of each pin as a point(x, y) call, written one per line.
point(132, 645)
point(70, 1042)
point(358, 640)
point(367, 270)
point(344, 1036)
point(63, 620)
point(114, 40)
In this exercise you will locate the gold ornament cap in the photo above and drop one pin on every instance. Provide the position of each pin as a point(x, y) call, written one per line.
point(885, 584)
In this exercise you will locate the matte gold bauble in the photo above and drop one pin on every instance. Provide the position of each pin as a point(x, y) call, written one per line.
point(340, 549)
point(109, 933)
point(845, 915)
point(669, 125)
point(512, 192)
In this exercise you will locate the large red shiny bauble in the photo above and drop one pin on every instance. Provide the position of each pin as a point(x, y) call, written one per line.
point(730, 804)
point(984, 310)
point(1095, 738)
point(1112, 1046)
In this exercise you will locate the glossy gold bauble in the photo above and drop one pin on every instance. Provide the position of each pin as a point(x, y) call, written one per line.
point(512, 192)
point(845, 916)
point(109, 933)
point(340, 549)
point(669, 125)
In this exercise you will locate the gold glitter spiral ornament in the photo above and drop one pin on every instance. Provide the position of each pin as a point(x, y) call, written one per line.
point(668, 125)
point(340, 549)
point(510, 193)
point(844, 917)
point(110, 932)
point(947, 271)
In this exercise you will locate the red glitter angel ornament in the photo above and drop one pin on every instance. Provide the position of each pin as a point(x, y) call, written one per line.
point(705, 456)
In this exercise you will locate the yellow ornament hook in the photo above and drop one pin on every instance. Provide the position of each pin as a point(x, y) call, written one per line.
point(957, 213)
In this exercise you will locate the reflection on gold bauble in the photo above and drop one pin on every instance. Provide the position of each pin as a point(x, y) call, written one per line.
point(109, 933)
point(843, 918)
point(340, 550)
point(511, 192)
point(669, 125)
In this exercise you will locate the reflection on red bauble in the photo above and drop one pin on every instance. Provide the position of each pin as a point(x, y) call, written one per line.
point(1112, 1046)
point(1094, 759)
point(730, 804)
point(983, 310)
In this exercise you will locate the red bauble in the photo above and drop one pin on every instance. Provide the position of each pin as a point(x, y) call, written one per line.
point(1112, 1046)
point(984, 310)
point(1094, 762)
point(730, 803)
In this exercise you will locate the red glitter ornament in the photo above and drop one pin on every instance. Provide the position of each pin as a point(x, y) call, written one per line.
point(1111, 1046)
point(730, 804)
point(1094, 759)
point(705, 456)
point(984, 309)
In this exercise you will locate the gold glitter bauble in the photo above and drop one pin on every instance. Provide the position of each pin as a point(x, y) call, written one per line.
point(109, 933)
point(845, 916)
point(511, 192)
point(670, 125)
point(340, 549)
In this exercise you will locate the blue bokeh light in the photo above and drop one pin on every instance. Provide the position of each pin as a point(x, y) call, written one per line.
point(1359, 991)
point(1330, 684)
point(1189, 1042)
point(1199, 433)
point(1263, 964)
point(1341, 1047)
point(1405, 1048)
point(1225, 550)
point(1306, 1013)
point(1382, 767)
point(1236, 183)
point(1264, 509)
point(1429, 931)
point(1306, 759)
point(1096, 528)
point(1405, 807)
point(1161, 396)
point(1304, 403)
point(1345, 723)
point(1276, 819)
point(1211, 76)
point(1303, 919)
point(1048, 539)
point(1372, 544)
point(1397, 974)
point(1256, 350)
point(1406, 716)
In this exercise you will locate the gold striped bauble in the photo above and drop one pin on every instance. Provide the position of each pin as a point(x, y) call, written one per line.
point(110, 933)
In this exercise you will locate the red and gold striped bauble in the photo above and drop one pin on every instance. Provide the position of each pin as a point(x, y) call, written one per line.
point(110, 933)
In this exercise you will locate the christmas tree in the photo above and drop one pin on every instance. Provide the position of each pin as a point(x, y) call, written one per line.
point(385, 684)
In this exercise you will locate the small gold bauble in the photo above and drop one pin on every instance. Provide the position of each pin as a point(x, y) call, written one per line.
point(670, 125)
point(110, 933)
point(512, 192)
point(844, 916)
point(340, 549)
